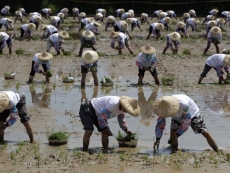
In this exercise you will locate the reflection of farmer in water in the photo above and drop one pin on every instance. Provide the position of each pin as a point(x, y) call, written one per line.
point(146, 111)
point(83, 94)
point(220, 105)
point(41, 99)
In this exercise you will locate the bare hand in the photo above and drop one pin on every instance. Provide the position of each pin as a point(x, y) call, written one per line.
point(128, 132)
point(3, 127)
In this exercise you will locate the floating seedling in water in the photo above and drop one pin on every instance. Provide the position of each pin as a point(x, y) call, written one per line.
point(54, 86)
point(17, 85)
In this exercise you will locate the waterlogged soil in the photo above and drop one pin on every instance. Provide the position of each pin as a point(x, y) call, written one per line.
point(55, 106)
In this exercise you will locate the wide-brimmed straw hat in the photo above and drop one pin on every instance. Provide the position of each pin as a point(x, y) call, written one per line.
point(166, 106)
point(87, 34)
point(82, 14)
point(63, 34)
point(129, 20)
point(181, 25)
point(103, 11)
point(89, 57)
point(175, 36)
point(169, 12)
point(114, 34)
point(215, 30)
point(10, 20)
point(211, 17)
point(212, 23)
point(37, 19)
point(111, 19)
point(216, 10)
point(43, 27)
point(52, 18)
point(160, 26)
point(167, 20)
point(75, 9)
point(21, 9)
point(226, 60)
point(148, 49)
point(62, 15)
point(65, 10)
point(7, 6)
point(96, 23)
point(122, 10)
point(196, 20)
point(45, 56)
point(130, 105)
point(144, 15)
point(124, 24)
point(98, 15)
point(31, 26)
point(4, 101)
point(17, 12)
point(221, 20)
point(187, 15)
point(130, 14)
point(192, 12)
point(161, 14)
point(50, 10)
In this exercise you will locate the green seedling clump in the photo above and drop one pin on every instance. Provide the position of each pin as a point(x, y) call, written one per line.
point(122, 137)
point(58, 136)
point(49, 74)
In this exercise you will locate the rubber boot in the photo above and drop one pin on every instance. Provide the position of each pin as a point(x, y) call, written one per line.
point(10, 50)
point(200, 79)
point(31, 79)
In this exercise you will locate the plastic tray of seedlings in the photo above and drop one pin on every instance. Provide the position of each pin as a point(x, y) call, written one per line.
point(68, 79)
point(105, 81)
point(127, 140)
point(9, 75)
point(58, 138)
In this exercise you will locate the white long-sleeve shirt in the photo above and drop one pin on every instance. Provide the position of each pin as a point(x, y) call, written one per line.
point(4, 37)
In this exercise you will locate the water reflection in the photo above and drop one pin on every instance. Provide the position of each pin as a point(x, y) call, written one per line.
point(41, 99)
point(106, 89)
point(217, 103)
point(146, 111)
point(83, 93)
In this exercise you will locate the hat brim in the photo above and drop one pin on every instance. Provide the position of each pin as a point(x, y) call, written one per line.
point(150, 51)
point(4, 101)
point(63, 36)
point(130, 105)
point(92, 59)
point(166, 106)
point(47, 58)
point(90, 35)
point(226, 60)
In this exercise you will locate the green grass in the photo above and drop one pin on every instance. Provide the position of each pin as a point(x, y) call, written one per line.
point(186, 52)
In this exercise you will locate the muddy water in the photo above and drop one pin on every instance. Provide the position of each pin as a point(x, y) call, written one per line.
point(66, 101)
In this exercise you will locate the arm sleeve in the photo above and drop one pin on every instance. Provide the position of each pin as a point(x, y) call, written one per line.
point(121, 121)
point(57, 46)
point(218, 70)
point(13, 116)
point(160, 127)
point(226, 68)
point(139, 64)
point(112, 44)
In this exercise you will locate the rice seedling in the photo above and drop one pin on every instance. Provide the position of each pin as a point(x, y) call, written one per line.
point(186, 52)
point(122, 157)
point(19, 51)
point(54, 86)
point(13, 158)
point(196, 162)
point(17, 85)
point(37, 153)
point(6, 85)
point(3, 147)
point(43, 86)
point(77, 153)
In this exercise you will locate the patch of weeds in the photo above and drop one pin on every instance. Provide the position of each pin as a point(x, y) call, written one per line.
point(19, 51)
point(186, 52)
